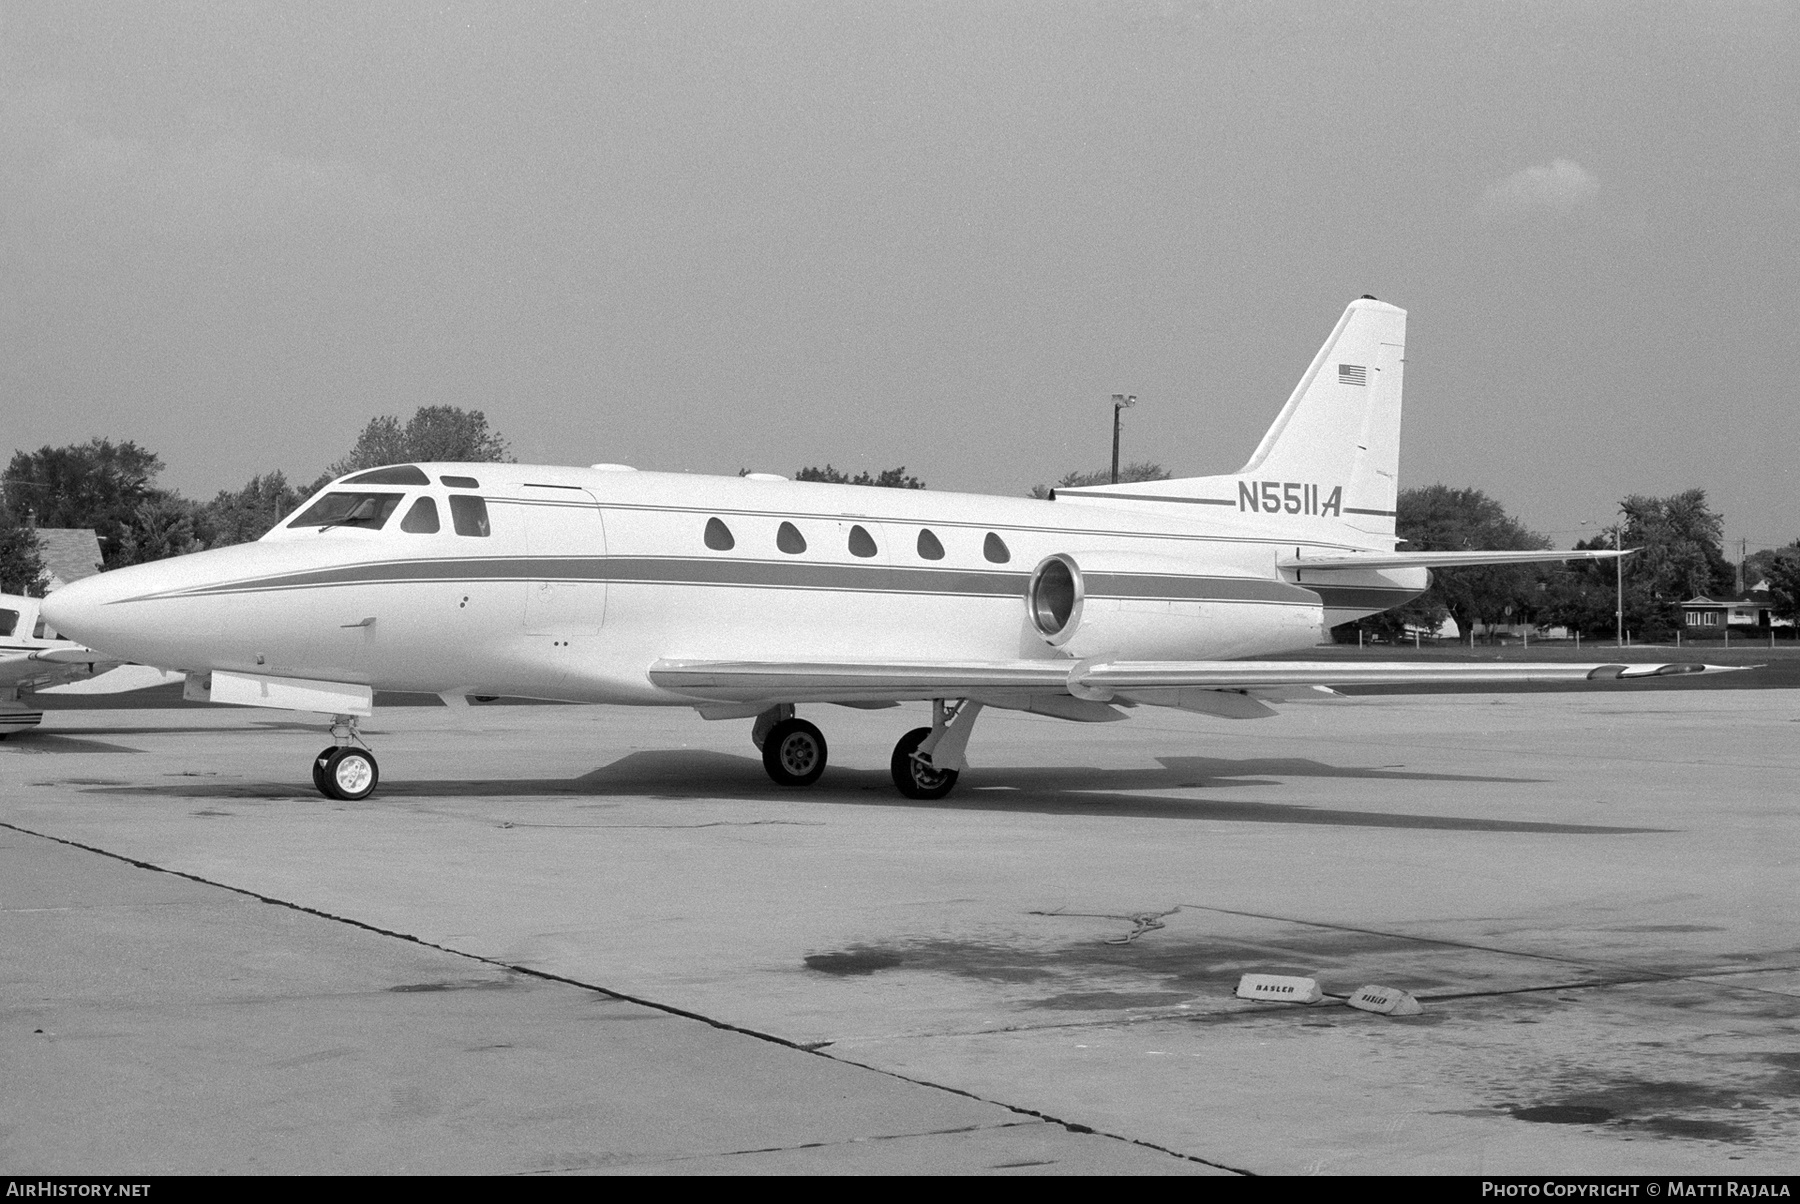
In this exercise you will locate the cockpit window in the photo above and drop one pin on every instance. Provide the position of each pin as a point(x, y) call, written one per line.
point(461, 482)
point(398, 474)
point(9, 619)
point(367, 510)
point(468, 514)
point(422, 519)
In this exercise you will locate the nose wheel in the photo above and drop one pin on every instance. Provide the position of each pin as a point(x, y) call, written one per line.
point(345, 772)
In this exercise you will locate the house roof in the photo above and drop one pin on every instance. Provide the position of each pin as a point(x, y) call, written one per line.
point(70, 553)
point(1755, 597)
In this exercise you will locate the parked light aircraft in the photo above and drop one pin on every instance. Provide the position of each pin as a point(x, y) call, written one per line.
point(33, 658)
point(746, 597)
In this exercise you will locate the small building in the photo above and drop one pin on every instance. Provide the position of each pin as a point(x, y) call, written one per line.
point(1752, 610)
point(69, 554)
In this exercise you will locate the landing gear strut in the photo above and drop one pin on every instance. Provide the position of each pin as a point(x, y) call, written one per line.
point(925, 763)
point(342, 771)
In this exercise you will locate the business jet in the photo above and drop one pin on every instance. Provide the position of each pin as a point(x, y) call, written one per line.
point(747, 597)
point(35, 659)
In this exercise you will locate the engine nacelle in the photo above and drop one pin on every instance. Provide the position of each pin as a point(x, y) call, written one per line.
point(1139, 607)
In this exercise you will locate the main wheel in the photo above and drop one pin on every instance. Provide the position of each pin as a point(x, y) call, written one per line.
point(319, 763)
point(794, 753)
point(914, 779)
point(351, 774)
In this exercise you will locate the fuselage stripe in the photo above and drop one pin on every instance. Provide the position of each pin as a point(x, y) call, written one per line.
point(756, 574)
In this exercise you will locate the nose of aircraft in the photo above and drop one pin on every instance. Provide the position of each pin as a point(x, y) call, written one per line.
point(181, 613)
point(83, 611)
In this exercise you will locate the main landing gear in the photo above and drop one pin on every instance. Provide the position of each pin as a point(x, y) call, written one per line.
point(793, 750)
point(925, 763)
point(342, 771)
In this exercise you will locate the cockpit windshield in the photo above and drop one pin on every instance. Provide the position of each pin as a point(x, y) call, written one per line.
point(367, 510)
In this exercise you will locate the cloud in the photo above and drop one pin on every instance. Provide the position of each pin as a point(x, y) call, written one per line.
point(1557, 189)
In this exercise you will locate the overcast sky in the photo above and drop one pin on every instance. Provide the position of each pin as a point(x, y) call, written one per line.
point(699, 237)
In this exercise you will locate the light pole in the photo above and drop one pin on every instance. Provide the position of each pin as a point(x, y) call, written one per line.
point(1619, 576)
point(1120, 402)
point(1618, 534)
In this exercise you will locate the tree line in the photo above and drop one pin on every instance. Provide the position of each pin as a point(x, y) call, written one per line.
point(111, 488)
point(1680, 555)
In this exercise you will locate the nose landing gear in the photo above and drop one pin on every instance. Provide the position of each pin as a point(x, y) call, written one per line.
point(342, 771)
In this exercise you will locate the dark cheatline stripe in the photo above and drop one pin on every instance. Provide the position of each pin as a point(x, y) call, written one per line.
point(1150, 497)
point(1377, 513)
point(656, 570)
point(648, 570)
point(1362, 597)
point(1182, 588)
point(753, 574)
point(495, 568)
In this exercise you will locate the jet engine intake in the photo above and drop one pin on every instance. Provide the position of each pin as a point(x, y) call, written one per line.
point(1054, 598)
point(1130, 604)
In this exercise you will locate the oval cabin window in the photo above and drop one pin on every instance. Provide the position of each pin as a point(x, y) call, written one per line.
point(861, 542)
point(718, 536)
point(994, 548)
point(929, 547)
point(789, 539)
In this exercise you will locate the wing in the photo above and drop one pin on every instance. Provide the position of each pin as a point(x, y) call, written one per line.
point(72, 669)
point(1095, 681)
point(29, 668)
point(120, 679)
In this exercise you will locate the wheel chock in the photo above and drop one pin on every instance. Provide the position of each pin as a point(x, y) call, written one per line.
point(1278, 988)
point(1386, 1001)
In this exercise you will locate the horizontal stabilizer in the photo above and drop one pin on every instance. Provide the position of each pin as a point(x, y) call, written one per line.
point(1438, 560)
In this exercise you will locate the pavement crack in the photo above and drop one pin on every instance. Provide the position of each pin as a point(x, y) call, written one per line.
point(1141, 922)
point(809, 1048)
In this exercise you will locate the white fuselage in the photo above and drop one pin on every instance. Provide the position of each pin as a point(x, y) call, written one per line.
point(588, 577)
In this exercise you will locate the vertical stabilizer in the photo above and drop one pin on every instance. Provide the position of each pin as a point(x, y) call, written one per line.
point(1328, 467)
point(1342, 424)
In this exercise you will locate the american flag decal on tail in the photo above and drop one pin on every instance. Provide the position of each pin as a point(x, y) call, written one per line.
point(1352, 374)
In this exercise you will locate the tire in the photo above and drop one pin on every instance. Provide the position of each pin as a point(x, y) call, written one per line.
point(318, 771)
point(913, 779)
point(351, 774)
point(794, 753)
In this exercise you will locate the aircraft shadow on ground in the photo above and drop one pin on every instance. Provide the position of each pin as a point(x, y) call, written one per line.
point(686, 774)
point(35, 742)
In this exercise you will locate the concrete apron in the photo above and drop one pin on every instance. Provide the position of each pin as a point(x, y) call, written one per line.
point(1591, 894)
